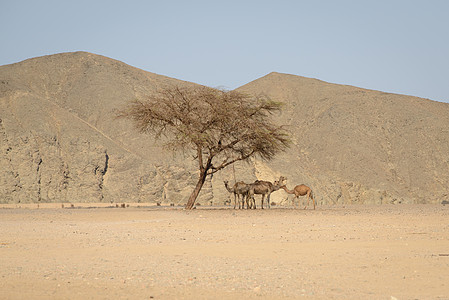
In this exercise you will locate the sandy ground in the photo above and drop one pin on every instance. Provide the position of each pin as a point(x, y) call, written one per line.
point(352, 252)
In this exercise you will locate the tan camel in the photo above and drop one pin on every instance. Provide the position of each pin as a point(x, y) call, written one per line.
point(301, 190)
point(239, 189)
point(264, 188)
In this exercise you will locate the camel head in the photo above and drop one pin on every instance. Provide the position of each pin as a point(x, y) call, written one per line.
point(281, 180)
point(279, 183)
point(227, 186)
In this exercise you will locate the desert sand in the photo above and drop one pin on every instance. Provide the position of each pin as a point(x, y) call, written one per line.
point(334, 252)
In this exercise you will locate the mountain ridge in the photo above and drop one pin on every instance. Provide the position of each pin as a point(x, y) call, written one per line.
point(61, 141)
point(320, 81)
point(372, 127)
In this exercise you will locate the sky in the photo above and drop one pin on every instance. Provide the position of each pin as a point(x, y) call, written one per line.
point(394, 46)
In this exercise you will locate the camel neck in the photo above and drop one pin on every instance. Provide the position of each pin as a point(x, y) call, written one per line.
point(228, 188)
point(287, 190)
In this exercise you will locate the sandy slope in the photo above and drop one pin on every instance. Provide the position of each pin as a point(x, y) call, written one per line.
point(356, 252)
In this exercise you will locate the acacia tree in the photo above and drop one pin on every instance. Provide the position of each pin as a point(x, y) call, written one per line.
point(219, 127)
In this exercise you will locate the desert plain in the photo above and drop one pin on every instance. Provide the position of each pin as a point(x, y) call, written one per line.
point(333, 252)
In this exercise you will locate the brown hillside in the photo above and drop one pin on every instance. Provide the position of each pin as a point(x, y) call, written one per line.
point(59, 141)
point(358, 145)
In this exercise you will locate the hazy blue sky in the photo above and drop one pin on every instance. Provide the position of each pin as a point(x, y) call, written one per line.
point(392, 45)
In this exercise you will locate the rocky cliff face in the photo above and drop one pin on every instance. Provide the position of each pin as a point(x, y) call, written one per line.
point(60, 141)
point(38, 168)
point(35, 168)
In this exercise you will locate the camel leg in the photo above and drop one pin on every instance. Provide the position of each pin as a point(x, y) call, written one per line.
point(268, 201)
point(235, 200)
point(308, 199)
point(299, 201)
point(244, 199)
point(248, 204)
point(263, 198)
point(247, 201)
point(313, 199)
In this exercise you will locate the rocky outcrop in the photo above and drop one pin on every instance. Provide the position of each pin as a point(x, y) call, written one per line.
point(35, 168)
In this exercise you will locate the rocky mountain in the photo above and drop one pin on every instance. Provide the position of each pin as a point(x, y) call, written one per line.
point(361, 146)
point(60, 141)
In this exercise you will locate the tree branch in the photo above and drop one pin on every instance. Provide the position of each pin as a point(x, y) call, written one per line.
point(227, 163)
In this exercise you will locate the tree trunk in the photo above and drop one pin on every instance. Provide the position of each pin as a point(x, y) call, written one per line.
point(196, 191)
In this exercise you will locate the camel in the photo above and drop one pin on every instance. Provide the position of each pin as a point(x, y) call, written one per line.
point(264, 188)
point(301, 190)
point(239, 188)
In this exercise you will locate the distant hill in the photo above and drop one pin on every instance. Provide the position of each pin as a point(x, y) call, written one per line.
point(361, 146)
point(60, 142)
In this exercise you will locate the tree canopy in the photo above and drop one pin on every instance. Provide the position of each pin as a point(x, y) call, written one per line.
point(219, 127)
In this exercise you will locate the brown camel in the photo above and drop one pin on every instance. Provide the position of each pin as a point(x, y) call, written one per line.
point(264, 188)
point(301, 190)
point(239, 189)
